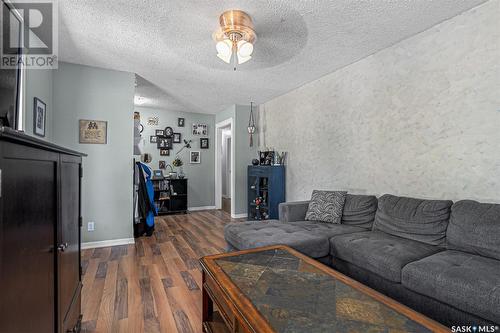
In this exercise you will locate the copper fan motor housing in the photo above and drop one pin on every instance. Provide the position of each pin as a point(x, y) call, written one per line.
point(235, 25)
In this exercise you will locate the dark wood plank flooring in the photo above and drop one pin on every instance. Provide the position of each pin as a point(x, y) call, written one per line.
point(153, 285)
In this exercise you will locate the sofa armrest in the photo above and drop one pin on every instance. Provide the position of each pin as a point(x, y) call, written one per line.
point(293, 211)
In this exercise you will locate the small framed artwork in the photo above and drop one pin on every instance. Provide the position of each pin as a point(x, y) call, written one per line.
point(153, 139)
point(168, 132)
point(164, 143)
point(177, 137)
point(164, 152)
point(153, 121)
point(195, 157)
point(266, 157)
point(200, 129)
point(159, 132)
point(204, 143)
point(162, 165)
point(39, 111)
point(93, 131)
point(180, 122)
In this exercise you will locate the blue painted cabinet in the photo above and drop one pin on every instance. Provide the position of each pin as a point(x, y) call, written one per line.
point(266, 190)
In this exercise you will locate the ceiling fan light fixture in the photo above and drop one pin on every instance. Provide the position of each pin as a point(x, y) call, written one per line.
point(245, 49)
point(236, 35)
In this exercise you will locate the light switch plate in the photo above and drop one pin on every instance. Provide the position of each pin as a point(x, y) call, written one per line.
point(90, 226)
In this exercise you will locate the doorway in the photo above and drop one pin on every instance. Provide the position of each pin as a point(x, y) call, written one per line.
point(226, 170)
point(224, 166)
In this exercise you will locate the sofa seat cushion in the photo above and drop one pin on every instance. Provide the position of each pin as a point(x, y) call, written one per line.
point(310, 238)
point(467, 282)
point(379, 252)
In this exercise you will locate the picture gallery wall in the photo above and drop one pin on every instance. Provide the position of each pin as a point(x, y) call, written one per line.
point(198, 160)
point(171, 140)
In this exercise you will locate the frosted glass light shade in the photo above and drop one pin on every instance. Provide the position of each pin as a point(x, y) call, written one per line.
point(245, 49)
point(224, 47)
point(242, 60)
point(225, 57)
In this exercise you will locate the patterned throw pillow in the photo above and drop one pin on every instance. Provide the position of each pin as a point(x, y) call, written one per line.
point(326, 206)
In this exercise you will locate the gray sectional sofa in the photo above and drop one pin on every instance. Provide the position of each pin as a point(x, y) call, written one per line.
point(437, 257)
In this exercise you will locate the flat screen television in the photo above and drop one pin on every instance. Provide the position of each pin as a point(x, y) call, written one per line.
point(11, 79)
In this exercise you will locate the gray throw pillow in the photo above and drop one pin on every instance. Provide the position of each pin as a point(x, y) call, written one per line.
point(326, 206)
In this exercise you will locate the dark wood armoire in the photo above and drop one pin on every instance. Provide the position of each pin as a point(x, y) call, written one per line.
point(40, 270)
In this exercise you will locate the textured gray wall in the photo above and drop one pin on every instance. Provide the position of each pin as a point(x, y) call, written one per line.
point(420, 118)
point(244, 155)
point(82, 92)
point(201, 183)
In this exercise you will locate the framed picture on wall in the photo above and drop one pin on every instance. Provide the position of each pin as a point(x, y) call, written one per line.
point(204, 143)
point(164, 143)
point(153, 121)
point(195, 157)
point(177, 137)
point(153, 139)
point(164, 152)
point(162, 165)
point(200, 129)
point(159, 132)
point(180, 122)
point(168, 132)
point(93, 131)
point(39, 111)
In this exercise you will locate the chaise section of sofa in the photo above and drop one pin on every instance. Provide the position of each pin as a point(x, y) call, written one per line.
point(309, 237)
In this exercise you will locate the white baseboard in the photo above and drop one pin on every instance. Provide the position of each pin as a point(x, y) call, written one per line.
point(239, 216)
point(193, 209)
point(106, 243)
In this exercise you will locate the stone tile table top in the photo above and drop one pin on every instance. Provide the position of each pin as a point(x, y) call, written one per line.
point(294, 293)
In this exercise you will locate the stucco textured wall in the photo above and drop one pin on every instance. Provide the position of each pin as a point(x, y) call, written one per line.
point(421, 118)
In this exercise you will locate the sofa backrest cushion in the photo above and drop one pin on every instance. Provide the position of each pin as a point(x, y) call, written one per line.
point(417, 219)
point(359, 210)
point(475, 228)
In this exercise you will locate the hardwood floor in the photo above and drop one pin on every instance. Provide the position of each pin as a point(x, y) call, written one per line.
point(153, 285)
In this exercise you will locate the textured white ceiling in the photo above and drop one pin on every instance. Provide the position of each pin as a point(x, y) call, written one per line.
point(168, 43)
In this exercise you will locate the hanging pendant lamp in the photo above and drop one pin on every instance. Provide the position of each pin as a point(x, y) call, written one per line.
point(251, 125)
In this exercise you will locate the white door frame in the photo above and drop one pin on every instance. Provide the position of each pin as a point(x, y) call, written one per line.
point(218, 172)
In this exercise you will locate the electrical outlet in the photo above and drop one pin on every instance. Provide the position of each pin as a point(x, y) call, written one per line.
point(90, 226)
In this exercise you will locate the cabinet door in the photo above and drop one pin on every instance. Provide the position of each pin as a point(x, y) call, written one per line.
point(69, 243)
point(28, 211)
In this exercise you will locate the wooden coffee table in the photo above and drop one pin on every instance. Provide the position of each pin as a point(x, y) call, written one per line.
point(277, 289)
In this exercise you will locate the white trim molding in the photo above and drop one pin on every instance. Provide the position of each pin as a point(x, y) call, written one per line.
point(193, 209)
point(106, 243)
point(239, 216)
point(218, 152)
